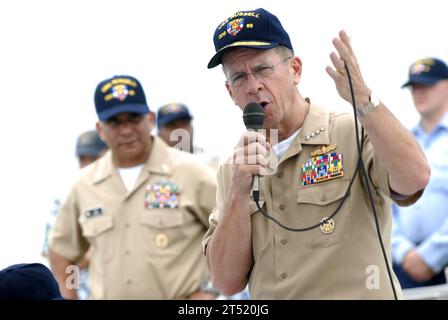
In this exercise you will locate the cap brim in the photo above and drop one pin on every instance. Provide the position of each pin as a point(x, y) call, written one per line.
point(421, 79)
point(255, 44)
point(127, 107)
point(92, 151)
point(169, 118)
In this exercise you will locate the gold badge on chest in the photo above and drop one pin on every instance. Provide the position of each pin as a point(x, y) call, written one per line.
point(161, 240)
point(327, 225)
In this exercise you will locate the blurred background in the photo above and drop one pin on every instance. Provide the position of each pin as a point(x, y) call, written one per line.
point(53, 54)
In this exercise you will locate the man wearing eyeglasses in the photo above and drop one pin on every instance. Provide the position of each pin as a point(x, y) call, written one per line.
point(143, 207)
point(337, 255)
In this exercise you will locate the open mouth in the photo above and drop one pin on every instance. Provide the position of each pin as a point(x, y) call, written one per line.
point(264, 104)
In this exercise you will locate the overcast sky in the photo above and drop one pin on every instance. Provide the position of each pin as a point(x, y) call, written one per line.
point(53, 53)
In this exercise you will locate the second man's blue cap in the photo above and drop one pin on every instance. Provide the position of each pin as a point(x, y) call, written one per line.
point(427, 71)
point(172, 111)
point(258, 29)
point(89, 143)
point(119, 94)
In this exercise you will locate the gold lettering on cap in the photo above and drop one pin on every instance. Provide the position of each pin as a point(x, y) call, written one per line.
point(223, 24)
point(222, 34)
point(126, 81)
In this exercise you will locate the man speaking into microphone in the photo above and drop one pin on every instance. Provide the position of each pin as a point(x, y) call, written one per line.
point(318, 187)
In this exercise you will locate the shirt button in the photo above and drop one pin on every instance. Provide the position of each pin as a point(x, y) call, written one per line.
point(282, 207)
point(323, 198)
point(129, 281)
point(283, 275)
point(127, 252)
point(280, 175)
point(127, 225)
point(283, 241)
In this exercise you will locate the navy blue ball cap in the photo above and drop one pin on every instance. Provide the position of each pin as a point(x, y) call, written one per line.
point(427, 71)
point(119, 94)
point(28, 281)
point(258, 29)
point(89, 143)
point(171, 112)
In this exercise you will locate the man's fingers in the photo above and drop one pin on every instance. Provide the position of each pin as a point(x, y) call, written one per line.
point(337, 62)
point(254, 159)
point(253, 148)
point(250, 137)
point(346, 40)
point(332, 73)
point(343, 50)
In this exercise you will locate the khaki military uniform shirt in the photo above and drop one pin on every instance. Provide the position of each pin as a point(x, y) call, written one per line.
point(347, 262)
point(140, 252)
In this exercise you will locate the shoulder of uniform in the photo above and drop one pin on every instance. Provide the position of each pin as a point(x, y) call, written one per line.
point(340, 115)
point(178, 157)
point(96, 170)
point(182, 160)
point(341, 119)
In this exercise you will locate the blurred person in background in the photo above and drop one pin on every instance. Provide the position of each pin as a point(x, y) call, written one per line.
point(420, 231)
point(89, 147)
point(28, 281)
point(174, 125)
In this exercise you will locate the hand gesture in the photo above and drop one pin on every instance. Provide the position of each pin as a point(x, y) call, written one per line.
point(346, 58)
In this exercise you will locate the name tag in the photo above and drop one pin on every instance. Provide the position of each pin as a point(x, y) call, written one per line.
point(93, 212)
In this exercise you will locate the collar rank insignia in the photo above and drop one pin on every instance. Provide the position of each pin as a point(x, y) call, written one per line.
point(164, 194)
point(322, 168)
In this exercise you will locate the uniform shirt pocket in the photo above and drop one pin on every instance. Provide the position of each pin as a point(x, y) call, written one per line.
point(163, 228)
point(162, 218)
point(318, 201)
point(98, 230)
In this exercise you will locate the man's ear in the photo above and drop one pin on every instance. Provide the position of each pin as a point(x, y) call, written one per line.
point(297, 67)
point(100, 129)
point(152, 119)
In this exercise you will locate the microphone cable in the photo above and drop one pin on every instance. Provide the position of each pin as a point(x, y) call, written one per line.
point(359, 165)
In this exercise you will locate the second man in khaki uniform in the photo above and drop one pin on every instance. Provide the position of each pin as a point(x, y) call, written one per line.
point(143, 208)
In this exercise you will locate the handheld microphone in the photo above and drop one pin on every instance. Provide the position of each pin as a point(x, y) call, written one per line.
point(253, 117)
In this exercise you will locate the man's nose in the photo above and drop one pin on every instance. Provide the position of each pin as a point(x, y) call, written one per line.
point(253, 84)
point(125, 126)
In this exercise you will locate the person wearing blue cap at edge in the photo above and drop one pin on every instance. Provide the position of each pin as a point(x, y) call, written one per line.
point(420, 232)
point(133, 207)
point(308, 177)
point(28, 281)
point(174, 126)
